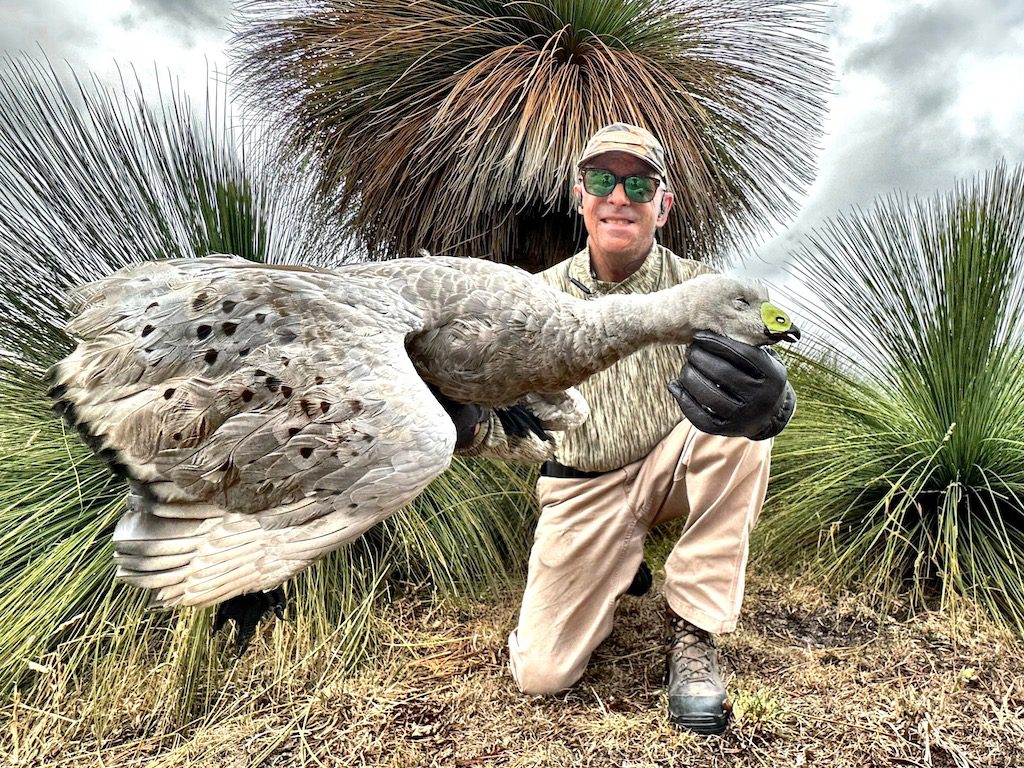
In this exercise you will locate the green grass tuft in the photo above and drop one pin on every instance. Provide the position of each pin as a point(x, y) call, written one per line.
point(903, 469)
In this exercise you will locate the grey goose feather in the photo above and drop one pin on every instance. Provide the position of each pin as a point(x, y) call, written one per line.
point(266, 415)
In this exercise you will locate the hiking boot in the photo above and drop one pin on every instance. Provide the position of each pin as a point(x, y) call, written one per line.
point(696, 694)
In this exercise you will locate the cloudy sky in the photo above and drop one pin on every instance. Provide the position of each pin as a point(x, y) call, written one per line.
point(926, 91)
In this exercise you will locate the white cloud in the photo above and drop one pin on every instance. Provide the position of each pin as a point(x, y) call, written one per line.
point(100, 37)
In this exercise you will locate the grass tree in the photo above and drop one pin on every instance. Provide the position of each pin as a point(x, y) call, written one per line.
point(904, 467)
point(93, 178)
point(453, 125)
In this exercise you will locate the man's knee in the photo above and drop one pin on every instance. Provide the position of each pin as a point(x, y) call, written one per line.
point(542, 681)
point(760, 451)
point(542, 675)
point(735, 450)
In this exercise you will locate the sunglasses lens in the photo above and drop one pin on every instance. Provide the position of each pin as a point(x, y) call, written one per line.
point(599, 183)
point(640, 189)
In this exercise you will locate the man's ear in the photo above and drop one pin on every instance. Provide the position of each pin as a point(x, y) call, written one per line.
point(666, 206)
point(577, 198)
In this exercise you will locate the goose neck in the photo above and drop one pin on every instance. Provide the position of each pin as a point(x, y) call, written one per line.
point(626, 323)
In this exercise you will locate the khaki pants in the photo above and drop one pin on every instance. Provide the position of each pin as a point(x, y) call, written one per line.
point(589, 543)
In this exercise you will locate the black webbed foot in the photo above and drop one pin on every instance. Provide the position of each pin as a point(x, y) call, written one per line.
point(517, 421)
point(465, 417)
point(246, 611)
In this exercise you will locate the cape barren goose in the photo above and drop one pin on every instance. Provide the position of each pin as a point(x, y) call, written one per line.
point(265, 415)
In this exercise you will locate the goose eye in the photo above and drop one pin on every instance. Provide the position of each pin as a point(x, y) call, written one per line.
point(741, 302)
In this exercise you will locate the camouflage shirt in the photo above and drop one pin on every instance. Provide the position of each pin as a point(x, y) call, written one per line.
point(630, 408)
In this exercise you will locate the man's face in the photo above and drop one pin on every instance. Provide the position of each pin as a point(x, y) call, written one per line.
point(618, 229)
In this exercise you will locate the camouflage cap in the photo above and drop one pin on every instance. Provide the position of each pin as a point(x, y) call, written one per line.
point(631, 139)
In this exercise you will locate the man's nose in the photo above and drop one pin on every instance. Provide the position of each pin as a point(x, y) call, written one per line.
point(618, 194)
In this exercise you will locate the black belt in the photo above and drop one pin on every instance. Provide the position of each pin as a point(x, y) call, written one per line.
point(554, 469)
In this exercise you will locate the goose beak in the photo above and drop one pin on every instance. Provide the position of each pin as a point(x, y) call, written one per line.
point(777, 325)
point(790, 335)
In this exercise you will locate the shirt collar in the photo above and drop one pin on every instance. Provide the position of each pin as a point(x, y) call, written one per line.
point(645, 280)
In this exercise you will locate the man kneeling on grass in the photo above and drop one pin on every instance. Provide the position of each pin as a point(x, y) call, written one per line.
point(637, 462)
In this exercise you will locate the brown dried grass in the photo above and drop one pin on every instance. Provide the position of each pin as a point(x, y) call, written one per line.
point(814, 679)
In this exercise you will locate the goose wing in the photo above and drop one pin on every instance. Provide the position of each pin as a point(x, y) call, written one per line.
point(261, 421)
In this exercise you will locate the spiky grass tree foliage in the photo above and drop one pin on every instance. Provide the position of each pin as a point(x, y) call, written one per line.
point(91, 179)
point(454, 125)
point(905, 462)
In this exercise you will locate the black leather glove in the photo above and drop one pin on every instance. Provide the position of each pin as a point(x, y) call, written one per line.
point(733, 389)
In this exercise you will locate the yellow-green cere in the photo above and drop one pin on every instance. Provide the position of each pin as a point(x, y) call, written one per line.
point(775, 319)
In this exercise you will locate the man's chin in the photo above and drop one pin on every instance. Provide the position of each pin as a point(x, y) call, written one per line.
point(626, 243)
point(621, 238)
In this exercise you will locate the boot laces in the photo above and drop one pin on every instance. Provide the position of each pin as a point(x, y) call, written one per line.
point(692, 651)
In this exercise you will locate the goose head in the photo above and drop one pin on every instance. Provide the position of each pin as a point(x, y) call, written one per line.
point(739, 309)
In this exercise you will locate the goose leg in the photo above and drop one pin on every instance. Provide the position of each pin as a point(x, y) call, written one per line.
point(246, 611)
point(518, 421)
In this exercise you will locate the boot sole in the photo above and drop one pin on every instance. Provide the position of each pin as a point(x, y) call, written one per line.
point(705, 725)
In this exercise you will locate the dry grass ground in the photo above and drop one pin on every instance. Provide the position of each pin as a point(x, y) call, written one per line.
point(815, 680)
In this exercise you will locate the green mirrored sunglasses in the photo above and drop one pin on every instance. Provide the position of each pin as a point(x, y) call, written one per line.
point(639, 189)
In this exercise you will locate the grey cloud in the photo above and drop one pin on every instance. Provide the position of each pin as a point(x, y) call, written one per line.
point(44, 24)
point(191, 14)
point(924, 37)
point(919, 38)
point(910, 137)
point(186, 19)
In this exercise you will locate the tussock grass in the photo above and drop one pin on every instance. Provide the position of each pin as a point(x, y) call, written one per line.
point(902, 470)
point(94, 177)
